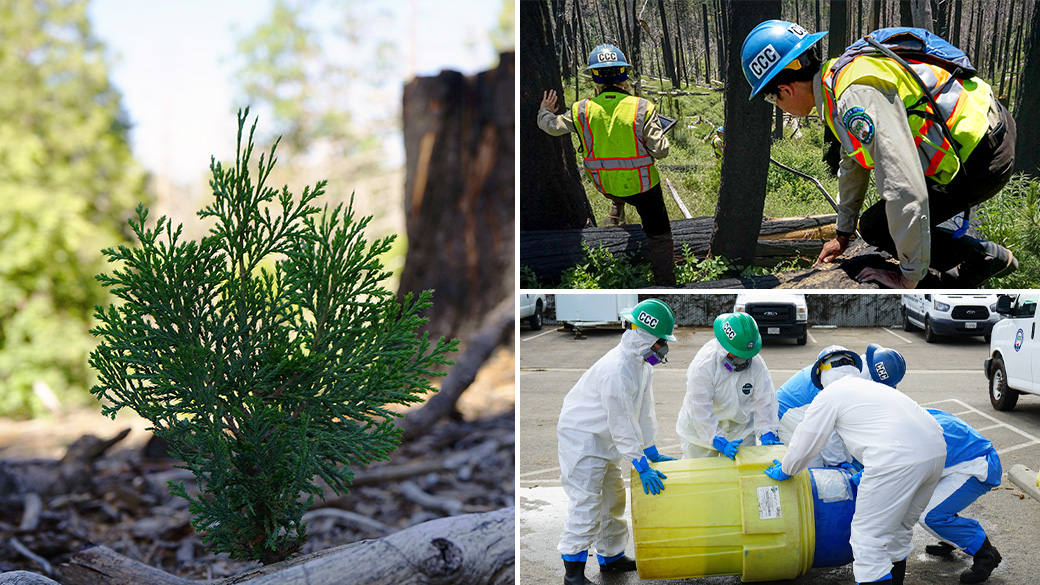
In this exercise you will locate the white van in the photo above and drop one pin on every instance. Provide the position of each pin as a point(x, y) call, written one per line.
point(1013, 365)
point(530, 308)
point(779, 315)
point(952, 314)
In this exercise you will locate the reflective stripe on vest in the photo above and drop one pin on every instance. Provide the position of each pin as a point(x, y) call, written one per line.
point(963, 104)
point(616, 158)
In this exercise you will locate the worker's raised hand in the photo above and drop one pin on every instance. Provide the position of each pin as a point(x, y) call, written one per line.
point(549, 100)
point(831, 250)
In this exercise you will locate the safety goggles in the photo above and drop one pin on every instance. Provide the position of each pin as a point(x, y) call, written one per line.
point(836, 363)
point(736, 364)
point(657, 356)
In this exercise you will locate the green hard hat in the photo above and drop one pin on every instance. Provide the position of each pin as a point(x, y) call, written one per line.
point(738, 333)
point(653, 316)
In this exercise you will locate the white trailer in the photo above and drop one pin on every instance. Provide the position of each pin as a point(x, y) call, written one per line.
point(584, 311)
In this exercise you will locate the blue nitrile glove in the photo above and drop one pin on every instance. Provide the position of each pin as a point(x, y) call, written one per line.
point(653, 455)
point(856, 477)
point(770, 438)
point(847, 466)
point(651, 478)
point(727, 448)
point(776, 472)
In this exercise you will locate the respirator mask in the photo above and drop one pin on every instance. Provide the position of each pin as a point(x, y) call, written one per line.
point(736, 364)
point(656, 356)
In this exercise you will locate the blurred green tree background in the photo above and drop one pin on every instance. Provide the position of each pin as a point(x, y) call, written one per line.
point(68, 182)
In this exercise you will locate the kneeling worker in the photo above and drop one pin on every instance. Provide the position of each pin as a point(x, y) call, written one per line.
point(608, 418)
point(620, 136)
point(883, 119)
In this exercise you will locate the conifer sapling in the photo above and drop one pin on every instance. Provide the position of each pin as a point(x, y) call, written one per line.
point(265, 353)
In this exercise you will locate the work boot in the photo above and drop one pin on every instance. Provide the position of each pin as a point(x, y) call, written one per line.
point(992, 260)
point(986, 559)
point(618, 565)
point(574, 573)
point(940, 549)
point(662, 259)
point(616, 215)
point(898, 572)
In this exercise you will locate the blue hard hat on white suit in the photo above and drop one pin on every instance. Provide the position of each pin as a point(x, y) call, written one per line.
point(887, 366)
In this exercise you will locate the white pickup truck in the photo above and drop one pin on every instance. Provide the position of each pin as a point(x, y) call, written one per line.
point(1013, 365)
point(529, 308)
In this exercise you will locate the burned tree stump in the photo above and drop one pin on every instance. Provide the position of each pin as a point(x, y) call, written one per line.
point(459, 142)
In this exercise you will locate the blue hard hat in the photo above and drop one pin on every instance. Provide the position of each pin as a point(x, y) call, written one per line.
point(607, 64)
point(887, 366)
point(829, 352)
point(870, 352)
point(607, 56)
point(770, 47)
point(720, 130)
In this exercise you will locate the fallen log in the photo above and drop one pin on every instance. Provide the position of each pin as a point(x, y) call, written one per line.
point(476, 549)
point(550, 253)
point(25, 578)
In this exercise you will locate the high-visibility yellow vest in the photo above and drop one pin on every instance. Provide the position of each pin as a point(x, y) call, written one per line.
point(611, 133)
point(963, 104)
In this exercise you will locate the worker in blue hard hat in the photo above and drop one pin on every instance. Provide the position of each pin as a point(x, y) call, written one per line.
point(621, 137)
point(718, 141)
point(608, 421)
point(899, 444)
point(884, 121)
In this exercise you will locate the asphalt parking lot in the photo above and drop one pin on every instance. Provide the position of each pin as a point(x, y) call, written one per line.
point(945, 375)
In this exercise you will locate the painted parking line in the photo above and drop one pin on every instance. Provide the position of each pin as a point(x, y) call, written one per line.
point(890, 332)
point(811, 338)
point(967, 408)
point(538, 335)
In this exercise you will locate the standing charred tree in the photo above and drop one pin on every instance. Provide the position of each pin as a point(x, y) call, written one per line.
point(745, 161)
point(666, 47)
point(552, 197)
point(1027, 104)
point(459, 196)
point(707, 47)
point(838, 38)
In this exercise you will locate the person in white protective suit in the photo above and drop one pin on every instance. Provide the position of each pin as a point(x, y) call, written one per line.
point(607, 419)
point(900, 446)
point(729, 392)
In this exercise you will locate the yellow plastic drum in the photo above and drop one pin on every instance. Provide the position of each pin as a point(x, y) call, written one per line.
point(717, 516)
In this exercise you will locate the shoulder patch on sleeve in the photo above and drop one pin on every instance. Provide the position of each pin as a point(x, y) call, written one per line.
point(858, 123)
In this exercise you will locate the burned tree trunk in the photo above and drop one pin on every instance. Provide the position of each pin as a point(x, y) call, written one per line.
point(550, 184)
point(1027, 104)
point(745, 161)
point(459, 200)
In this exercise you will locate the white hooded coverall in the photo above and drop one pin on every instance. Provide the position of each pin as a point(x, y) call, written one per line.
point(607, 420)
point(902, 450)
point(735, 405)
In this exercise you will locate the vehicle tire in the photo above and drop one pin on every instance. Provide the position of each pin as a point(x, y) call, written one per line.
point(907, 325)
point(802, 339)
point(929, 334)
point(535, 321)
point(1000, 396)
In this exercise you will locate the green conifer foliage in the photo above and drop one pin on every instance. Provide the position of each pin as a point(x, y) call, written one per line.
point(266, 354)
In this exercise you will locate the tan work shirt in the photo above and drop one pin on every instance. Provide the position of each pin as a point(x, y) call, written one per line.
point(898, 175)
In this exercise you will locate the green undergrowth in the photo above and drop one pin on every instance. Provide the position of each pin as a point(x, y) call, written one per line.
point(1012, 219)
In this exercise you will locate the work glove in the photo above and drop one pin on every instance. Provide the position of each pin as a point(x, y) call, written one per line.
point(776, 472)
point(653, 455)
point(727, 448)
point(651, 478)
point(770, 438)
point(856, 477)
